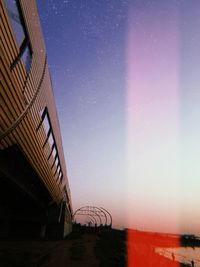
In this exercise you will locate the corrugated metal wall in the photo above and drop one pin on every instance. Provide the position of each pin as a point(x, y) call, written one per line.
point(24, 96)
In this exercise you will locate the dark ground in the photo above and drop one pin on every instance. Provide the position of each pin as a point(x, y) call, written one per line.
point(79, 249)
point(87, 248)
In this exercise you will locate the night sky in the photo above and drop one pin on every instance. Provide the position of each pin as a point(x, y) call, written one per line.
point(126, 84)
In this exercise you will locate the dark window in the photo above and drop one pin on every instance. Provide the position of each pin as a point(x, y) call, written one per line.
point(17, 22)
point(13, 13)
point(26, 57)
point(50, 139)
point(66, 194)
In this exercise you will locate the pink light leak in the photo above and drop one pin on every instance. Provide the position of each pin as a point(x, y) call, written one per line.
point(153, 119)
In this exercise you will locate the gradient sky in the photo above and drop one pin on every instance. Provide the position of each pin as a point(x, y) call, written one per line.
point(127, 86)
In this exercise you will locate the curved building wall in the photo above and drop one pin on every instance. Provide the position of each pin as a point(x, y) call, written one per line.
point(28, 115)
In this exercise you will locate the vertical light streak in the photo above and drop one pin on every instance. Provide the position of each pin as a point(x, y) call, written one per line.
point(152, 120)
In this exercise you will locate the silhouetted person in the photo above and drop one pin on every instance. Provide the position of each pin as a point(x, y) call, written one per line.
point(192, 263)
point(173, 257)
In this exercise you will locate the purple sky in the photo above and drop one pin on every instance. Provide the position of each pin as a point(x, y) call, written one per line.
point(126, 83)
point(86, 47)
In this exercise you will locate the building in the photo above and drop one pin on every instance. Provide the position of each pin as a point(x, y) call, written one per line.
point(34, 191)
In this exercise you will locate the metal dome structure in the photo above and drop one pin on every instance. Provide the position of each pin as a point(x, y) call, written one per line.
point(97, 216)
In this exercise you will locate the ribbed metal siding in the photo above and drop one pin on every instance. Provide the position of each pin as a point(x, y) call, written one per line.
point(24, 95)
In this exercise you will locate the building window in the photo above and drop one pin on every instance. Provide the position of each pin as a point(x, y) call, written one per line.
point(66, 194)
point(18, 26)
point(26, 57)
point(50, 140)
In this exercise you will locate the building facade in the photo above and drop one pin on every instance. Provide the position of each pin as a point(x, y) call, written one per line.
point(35, 195)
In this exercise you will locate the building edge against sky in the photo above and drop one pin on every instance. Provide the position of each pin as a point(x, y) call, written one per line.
point(35, 194)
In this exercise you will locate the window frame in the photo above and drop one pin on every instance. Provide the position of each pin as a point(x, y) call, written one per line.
point(53, 146)
point(25, 44)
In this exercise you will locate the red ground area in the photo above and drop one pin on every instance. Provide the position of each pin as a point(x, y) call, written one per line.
point(141, 249)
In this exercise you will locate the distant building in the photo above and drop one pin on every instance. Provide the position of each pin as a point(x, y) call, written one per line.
point(34, 191)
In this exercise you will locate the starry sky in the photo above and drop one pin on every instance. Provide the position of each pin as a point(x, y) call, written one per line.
point(126, 85)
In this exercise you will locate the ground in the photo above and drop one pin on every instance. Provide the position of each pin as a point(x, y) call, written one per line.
point(90, 248)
